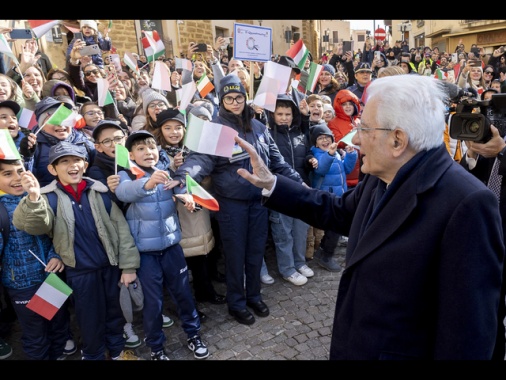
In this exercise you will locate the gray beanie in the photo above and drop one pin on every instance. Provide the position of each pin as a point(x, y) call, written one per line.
point(201, 111)
point(131, 299)
point(149, 95)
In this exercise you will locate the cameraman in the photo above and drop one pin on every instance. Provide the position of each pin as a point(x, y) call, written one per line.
point(479, 160)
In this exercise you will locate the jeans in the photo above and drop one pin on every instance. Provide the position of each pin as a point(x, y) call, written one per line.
point(289, 236)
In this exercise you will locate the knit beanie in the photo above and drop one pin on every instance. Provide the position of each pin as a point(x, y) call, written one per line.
point(230, 84)
point(131, 299)
point(320, 129)
point(201, 111)
point(91, 23)
point(149, 95)
point(328, 107)
point(329, 68)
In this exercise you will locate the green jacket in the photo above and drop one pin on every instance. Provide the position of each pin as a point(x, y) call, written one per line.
point(38, 218)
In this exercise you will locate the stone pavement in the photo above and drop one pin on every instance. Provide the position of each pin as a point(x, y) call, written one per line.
point(298, 328)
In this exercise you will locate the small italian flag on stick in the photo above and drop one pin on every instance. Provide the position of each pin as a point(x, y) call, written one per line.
point(50, 297)
point(200, 195)
point(8, 149)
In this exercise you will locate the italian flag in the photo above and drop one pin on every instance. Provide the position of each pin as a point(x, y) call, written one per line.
point(41, 27)
point(64, 117)
point(122, 157)
point(204, 85)
point(209, 138)
point(314, 73)
point(50, 297)
point(104, 95)
point(26, 118)
point(161, 77)
point(6, 49)
point(131, 62)
point(8, 149)
point(153, 45)
point(299, 53)
point(200, 195)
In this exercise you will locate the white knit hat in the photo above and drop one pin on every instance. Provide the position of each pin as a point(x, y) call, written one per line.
point(91, 23)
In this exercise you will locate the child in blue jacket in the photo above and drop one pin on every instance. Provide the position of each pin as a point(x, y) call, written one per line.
point(91, 35)
point(329, 175)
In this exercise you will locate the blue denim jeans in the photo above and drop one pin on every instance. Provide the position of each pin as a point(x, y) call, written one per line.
point(289, 236)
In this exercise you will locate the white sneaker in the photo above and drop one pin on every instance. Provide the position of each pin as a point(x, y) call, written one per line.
point(167, 321)
point(266, 279)
point(296, 279)
point(306, 271)
point(132, 340)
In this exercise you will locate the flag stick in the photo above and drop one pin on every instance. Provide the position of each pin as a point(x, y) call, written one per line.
point(34, 255)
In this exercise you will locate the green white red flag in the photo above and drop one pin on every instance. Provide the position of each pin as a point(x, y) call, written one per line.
point(122, 157)
point(64, 117)
point(299, 53)
point(314, 73)
point(153, 45)
point(26, 118)
point(204, 85)
point(161, 77)
point(209, 138)
point(8, 149)
point(41, 27)
point(104, 95)
point(131, 62)
point(200, 195)
point(50, 296)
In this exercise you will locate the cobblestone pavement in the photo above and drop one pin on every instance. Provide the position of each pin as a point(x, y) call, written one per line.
point(298, 327)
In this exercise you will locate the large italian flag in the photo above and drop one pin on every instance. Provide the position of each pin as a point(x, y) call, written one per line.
point(49, 297)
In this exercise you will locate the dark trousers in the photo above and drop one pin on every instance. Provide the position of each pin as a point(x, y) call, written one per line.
point(243, 231)
point(98, 311)
point(329, 242)
point(41, 339)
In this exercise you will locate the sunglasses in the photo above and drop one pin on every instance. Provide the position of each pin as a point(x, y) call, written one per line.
point(94, 72)
point(488, 72)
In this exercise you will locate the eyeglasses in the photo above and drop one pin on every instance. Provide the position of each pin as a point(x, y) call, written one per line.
point(360, 129)
point(230, 100)
point(488, 72)
point(91, 113)
point(94, 72)
point(108, 142)
point(159, 105)
point(323, 137)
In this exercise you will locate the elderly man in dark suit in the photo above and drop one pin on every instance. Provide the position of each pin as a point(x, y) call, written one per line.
point(425, 251)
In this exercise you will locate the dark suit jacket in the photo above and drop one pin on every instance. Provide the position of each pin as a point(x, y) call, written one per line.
point(423, 263)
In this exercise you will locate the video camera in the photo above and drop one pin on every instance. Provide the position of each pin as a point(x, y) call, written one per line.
point(466, 125)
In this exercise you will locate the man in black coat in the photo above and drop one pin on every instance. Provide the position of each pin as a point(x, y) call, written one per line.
point(425, 251)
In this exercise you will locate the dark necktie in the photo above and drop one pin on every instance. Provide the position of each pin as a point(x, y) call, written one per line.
point(495, 180)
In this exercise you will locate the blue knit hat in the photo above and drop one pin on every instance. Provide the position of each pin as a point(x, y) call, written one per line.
point(329, 68)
